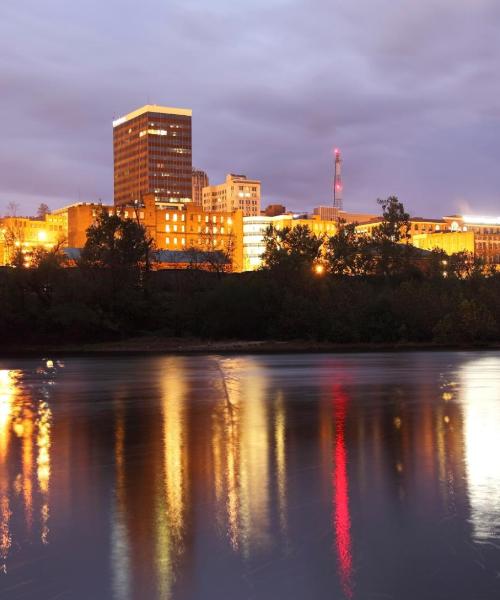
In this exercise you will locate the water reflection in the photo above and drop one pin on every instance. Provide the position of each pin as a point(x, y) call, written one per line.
point(480, 394)
point(240, 446)
point(342, 519)
point(207, 477)
point(25, 441)
point(171, 501)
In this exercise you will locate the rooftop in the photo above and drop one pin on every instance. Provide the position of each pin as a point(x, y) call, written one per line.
point(153, 108)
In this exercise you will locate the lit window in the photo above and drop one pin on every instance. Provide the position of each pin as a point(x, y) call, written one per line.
point(141, 215)
point(126, 214)
point(175, 227)
point(167, 228)
point(167, 241)
point(214, 219)
point(183, 241)
point(167, 216)
point(183, 229)
point(183, 217)
point(175, 241)
point(175, 216)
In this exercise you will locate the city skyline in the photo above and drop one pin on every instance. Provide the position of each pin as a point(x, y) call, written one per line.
point(413, 114)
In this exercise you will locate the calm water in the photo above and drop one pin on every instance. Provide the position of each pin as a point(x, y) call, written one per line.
point(262, 477)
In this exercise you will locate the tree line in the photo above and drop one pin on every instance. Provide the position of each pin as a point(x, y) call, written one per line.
point(343, 289)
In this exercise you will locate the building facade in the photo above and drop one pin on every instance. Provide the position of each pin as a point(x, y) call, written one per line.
point(152, 152)
point(478, 235)
point(236, 193)
point(254, 229)
point(199, 181)
point(173, 227)
point(26, 234)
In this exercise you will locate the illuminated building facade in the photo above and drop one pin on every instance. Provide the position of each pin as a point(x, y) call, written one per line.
point(418, 226)
point(174, 227)
point(27, 234)
point(477, 235)
point(254, 229)
point(236, 193)
point(153, 155)
point(199, 181)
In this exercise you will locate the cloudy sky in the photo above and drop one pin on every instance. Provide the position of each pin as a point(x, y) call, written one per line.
point(409, 90)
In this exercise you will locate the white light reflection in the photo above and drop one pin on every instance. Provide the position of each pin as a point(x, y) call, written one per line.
point(480, 393)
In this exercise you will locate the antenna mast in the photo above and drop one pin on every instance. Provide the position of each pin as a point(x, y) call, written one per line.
point(337, 180)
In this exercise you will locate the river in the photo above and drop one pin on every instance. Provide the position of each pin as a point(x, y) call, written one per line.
point(314, 476)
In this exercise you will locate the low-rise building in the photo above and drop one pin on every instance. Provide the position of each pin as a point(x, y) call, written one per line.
point(418, 225)
point(254, 229)
point(236, 193)
point(26, 234)
point(478, 235)
point(173, 227)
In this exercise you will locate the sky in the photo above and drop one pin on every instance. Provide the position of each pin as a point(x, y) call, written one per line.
point(408, 90)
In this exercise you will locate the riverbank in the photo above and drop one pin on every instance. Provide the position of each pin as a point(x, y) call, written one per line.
point(161, 345)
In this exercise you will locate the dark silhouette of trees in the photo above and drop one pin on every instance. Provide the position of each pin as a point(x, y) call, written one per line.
point(291, 249)
point(373, 291)
point(116, 243)
point(42, 211)
point(348, 253)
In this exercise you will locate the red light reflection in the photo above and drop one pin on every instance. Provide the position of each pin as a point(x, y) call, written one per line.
point(340, 482)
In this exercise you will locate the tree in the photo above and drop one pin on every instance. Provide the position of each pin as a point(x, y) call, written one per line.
point(348, 253)
point(464, 265)
point(388, 238)
point(395, 226)
point(117, 243)
point(12, 208)
point(42, 211)
point(291, 248)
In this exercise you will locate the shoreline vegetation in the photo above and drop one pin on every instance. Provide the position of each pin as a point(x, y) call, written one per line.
point(312, 294)
point(186, 346)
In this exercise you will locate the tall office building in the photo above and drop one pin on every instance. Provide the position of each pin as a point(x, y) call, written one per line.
point(153, 155)
point(200, 180)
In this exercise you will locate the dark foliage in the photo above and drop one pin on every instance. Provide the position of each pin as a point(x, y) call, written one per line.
point(113, 295)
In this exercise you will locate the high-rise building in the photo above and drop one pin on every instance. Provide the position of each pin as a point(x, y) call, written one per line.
point(199, 180)
point(153, 155)
point(236, 193)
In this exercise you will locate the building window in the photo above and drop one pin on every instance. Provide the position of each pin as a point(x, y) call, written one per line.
point(167, 241)
point(183, 241)
point(167, 228)
point(167, 216)
point(175, 216)
point(175, 241)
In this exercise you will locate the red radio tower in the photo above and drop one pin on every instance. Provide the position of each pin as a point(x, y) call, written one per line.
point(337, 180)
